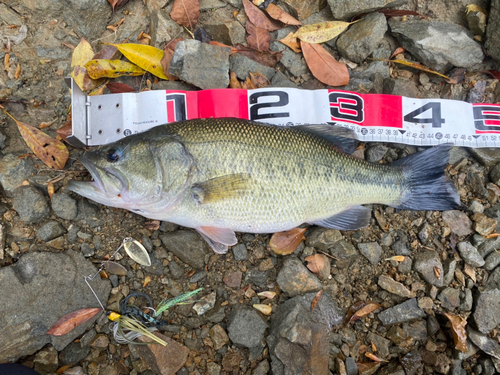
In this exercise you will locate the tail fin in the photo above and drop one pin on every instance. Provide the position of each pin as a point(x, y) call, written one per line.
point(429, 188)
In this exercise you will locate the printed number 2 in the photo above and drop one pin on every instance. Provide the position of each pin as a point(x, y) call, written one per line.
point(435, 119)
point(255, 105)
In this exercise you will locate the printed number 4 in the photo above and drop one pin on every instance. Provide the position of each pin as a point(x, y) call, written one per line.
point(436, 120)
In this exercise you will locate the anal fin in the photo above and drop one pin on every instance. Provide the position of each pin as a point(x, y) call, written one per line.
point(352, 218)
point(218, 238)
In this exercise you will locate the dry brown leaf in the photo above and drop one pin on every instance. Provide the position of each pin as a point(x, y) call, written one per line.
point(323, 66)
point(470, 271)
point(267, 294)
point(458, 330)
point(368, 367)
point(51, 151)
point(258, 80)
point(108, 52)
point(315, 263)
point(419, 67)
point(368, 308)
point(147, 280)
point(321, 32)
point(234, 83)
point(437, 272)
point(6, 62)
point(374, 347)
point(279, 14)
point(267, 58)
point(186, 12)
point(397, 258)
point(50, 189)
point(259, 18)
point(233, 49)
point(165, 63)
point(258, 37)
point(18, 71)
point(118, 88)
point(72, 320)
point(291, 42)
point(373, 357)
point(315, 300)
point(264, 309)
point(247, 84)
point(284, 243)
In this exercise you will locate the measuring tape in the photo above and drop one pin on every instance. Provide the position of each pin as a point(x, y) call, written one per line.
point(99, 120)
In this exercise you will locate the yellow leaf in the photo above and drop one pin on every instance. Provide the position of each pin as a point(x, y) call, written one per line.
point(321, 32)
point(82, 54)
point(51, 151)
point(146, 57)
point(292, 42)
point(98, 91)
point(111, 69)
point(264, 309)
point(475, 8)
point(397, 258)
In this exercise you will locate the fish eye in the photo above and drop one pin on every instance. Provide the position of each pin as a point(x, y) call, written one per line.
point(113, 155)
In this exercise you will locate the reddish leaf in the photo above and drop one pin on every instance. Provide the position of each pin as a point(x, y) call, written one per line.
point(316, 299)
point(173, 43)
point(118, 88)
point(284, 243)
point(267, 58)
point(259, 18)
point(323, 66)
point(458, 330)
point(397, 51)
point(108, 52)
point(258, 37)
point(279, 14)
point(186, 12)
point(368, 308)
point(165, 63)
point(494, 73)
point(72, 320)
point(233, 49)
point(315, 263)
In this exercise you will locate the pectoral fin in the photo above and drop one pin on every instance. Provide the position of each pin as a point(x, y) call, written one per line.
point(218, 238)
point(224, 187)
point(352, 218)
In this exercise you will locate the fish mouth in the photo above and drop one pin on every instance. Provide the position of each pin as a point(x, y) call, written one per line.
point(106, 183)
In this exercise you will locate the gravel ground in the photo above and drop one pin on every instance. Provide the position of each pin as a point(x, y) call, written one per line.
point(48, 244)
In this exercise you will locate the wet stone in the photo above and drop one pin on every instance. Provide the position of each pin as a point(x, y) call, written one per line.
point(245, 326)
point(492, 261)
point(470, 254)
point(361, 39)
point(458, 222)
point(375, 153)
point(450, 298)
point(240, 252)
point(294, 278)
point(50, 230)
point(371, 250)
point(201, 64)
point(64, 206)
point(30, 204)
point(392, 286)
point(187, 246)
point(401, 313)
point(46, 361)
point(486, 310)
point(486, 156)
point(426, 263)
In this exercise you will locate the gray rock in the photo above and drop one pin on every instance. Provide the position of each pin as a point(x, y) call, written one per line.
point(344, 250)
point(450, 298)
point(470, 254)
point(392, 286)
point(371, 250)
point(294, 278)
point(375, 153)
point(439, 45)
point(245, 326)
point(488, 246)
point(2, 141)
point(13, 171)
point(293, 62)
point(281, 80)
point(401, 87)
point(187, 246)
point(486, 309)
point(30, 204)
point(459, 222)
point(457, 154)
point(211, 4)
point(401, 313)
point(74, 353)
point(351, 366)
point(52, 285)
point(466, 303)
point(362, 38)
point(240, 252)
point(486, 344)
point(380, 343)
point(50, 230)
point(492, 43)
point(476, 182)
point(495, 174)
point(78, 13)
point(486, 156)
point(175, 269)
point(492, 261)
point(425, 264)
point(230, 33)
point(258, 277)
point(303, 9)
point(323, 238)
point(262, 368)
point(46, 361)
point(242, 65)
point(163, 28)
point(201, 64)
point(343, 10)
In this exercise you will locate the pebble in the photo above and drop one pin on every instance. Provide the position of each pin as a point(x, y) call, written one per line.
point(458, 222)
point(426, 263)
point(401, 313)
point(486, 156)
point(492, 261)
point(233, 279)
point(371, 250)
point(242, 65)
point(205, 303)
point(485, 313)
point(426, 303)
point(262, 368)
point(87, 250)
point(485, 343)
point(376, 152)
point(466, 303)
point(343, 10)
point(198, 276)
point(392, 286)
point(13, 171)
point(450, 298)
point(294, 278)
point(64, 206)
point(30, 204)
point(345, 251)
point(483, 224)
point(240, 252)
point(176, 271)
point(101, 342)
point(50, 230)
point(323, 238)
point(245, 326)
point(187, 246)
point(382, 344)
point(163, 359)
point(46, 361)
point(219, 336)
point(470, 254)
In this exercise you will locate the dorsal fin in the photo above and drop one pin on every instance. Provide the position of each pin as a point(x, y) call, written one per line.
point(340, 137)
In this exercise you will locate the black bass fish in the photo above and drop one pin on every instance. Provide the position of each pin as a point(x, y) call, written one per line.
point(219, 176)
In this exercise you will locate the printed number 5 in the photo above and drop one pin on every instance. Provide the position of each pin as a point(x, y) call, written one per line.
point(435, 118)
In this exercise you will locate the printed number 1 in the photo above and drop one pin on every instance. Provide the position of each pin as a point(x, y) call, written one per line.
point(436, 120)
